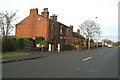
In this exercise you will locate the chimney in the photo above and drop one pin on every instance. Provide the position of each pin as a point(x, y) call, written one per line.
point(54, 17)
point(45, 13)
point(33, 11)
point(78, 31)
point(71, 26)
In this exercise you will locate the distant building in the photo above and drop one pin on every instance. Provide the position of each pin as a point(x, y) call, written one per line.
point(49, 28)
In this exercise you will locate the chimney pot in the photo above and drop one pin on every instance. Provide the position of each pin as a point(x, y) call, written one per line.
point(78, 31)
point(54, 17)
point(33, 11)
point(45, 13)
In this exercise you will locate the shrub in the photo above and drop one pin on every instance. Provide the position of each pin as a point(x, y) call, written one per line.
point(44, 43)
point(38, 39)
point(20, 43)
point(9, 45)
point(23, 42)
point(92, 45)
point(27, 43)
point(65, 47)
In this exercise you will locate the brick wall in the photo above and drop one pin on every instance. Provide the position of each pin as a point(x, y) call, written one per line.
point(32, 26)
point(41, 26)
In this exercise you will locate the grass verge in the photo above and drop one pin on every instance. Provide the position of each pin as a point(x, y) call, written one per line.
point(12, 54)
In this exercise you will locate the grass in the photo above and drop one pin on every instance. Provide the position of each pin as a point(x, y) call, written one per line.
point(12, 54)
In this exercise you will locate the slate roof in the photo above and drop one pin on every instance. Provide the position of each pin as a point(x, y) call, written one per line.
point(75, 34)
point(52, 20)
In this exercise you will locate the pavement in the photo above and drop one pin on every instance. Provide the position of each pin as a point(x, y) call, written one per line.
point(33, 55)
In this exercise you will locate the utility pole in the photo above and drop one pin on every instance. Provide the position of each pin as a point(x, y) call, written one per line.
point(89, 43)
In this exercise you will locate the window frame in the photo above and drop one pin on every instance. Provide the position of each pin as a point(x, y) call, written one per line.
point(52, 28)
point(67, 31)
point(61, 30)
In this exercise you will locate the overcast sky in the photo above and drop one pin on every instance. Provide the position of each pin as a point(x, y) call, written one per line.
point(72, 12)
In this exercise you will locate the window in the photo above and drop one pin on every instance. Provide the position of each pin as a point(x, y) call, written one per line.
point(61, 29)
point(52, 27)
point(68, 41)
point(64, 39)
point(75, 38)
point(68, 31)
point(60, 37)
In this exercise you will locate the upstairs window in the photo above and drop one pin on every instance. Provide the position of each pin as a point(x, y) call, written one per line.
point(70, 40)
point(64, 39)
point(52, 27)
point(67, 31)
point(61, 29)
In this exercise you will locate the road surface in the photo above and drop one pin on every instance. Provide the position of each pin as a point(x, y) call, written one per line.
point(95, 63)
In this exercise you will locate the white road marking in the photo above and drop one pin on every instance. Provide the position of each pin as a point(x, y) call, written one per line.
point(78, 69)
point(91, 71)
point(87, 58)
point(101, 53)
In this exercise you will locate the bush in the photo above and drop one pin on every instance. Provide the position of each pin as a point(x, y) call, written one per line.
point(23, 42)
point(27, 43)
point(41, 41)
point(38, 39)
point(44, 43)
point(9, 45)
point(92, 45)
point(66, 47)
point(20, 43)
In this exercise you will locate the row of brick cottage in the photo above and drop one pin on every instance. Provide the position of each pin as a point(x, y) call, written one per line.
point(49, 28)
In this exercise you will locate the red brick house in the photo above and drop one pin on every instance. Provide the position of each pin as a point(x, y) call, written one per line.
point(49, 28)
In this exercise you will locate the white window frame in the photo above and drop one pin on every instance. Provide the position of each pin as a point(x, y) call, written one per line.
point(67, 31)
point(52, 27)
point(61, 30)
point(61, 37)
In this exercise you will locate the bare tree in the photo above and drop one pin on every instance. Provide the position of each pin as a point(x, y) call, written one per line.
point(91, 30)
point(7, 24)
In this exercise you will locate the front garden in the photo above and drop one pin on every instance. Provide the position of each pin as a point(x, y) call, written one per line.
point(12, 54)
point(11, 45)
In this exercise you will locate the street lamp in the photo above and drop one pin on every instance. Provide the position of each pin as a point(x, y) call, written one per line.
point(97, 40)
point(89, 39)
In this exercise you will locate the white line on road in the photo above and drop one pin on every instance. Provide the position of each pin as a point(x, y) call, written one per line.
point(87, 58)
point(101, 53)
point(78, 69)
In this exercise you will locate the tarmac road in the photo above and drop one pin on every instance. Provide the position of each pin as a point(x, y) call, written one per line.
point(95, 63)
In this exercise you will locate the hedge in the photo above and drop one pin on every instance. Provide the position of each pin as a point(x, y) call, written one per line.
point(9, 45)
point(66, 47)
point(38, 39)
point(22, 42)
point(92, 45)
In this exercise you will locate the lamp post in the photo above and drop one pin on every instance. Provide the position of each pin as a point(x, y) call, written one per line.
point(97, 40)
point(90, 38)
